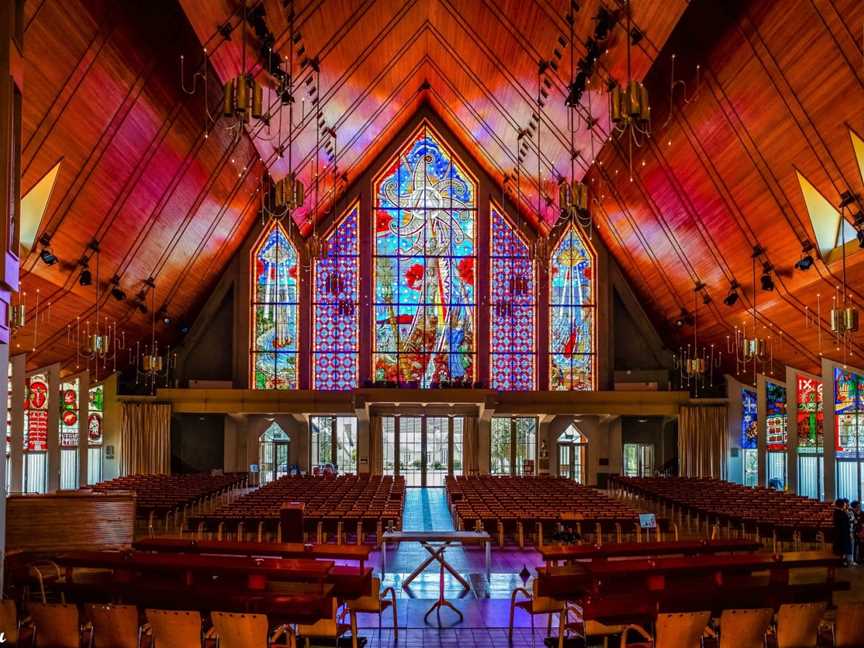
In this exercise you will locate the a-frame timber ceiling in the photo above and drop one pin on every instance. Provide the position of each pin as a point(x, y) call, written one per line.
point(781, 83)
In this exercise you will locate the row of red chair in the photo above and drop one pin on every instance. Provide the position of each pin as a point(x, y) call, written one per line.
point(536, 506)
point(164, 496)
point(334, 508)
point(720, 504)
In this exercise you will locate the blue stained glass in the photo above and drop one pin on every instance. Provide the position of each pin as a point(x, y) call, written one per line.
point(274, 312)
point(849, 410)
point(749, 434)
point(336, 299)
point(511, 307)
point(571, 313)
point(425, 212)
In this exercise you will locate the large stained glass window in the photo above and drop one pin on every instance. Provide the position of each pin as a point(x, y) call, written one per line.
point(811, 440)
point(275, 292)
point(336, 297)
point(511, 307)
point(571, 313)
point(849, 410)
point(749, 438)
point(96, 412)
point(36, 405)
point(424, 265)
point(776, 434)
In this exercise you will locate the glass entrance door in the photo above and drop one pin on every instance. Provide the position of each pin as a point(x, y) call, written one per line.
point(280, 450)
point(411, 449)
point(428, 447)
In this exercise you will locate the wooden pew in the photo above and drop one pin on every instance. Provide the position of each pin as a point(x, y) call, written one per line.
point(358, 553)
point(552, 554)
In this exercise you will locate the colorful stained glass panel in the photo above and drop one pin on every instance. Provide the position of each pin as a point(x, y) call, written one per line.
point(571, 314)
point(849, 409)
point(336, 300)
point(425, 266)
point(776, 433)
point(749, 434)
point(511, 307)
point(810, 417)
point(275, 292)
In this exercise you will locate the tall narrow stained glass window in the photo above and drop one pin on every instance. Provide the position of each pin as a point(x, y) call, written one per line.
point(69, 437)
point(849, 441)
point(512, 307)
point(336, 297)
point(811, 436)
point(572, 350)
point(749, 438)
point(776, 433)
point(96, 412)
point(424, 262)
point(275, 293)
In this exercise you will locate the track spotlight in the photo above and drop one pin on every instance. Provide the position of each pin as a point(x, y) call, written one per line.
point(118, 294)
point(47, 256)
point(684, 318)
point(805, 262)
point(766, 280)
point(731, 298)
point(85, 278)
point(184, 328)
point(860, 236)
point(164, 316)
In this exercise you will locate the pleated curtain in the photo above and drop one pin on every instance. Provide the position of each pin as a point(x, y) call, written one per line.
point(470, 464)
point(145, 438)
point(376, 439)
point(702, 441)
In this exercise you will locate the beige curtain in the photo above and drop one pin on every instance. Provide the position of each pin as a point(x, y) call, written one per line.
point(702, 441)
point(470, 463)
point(145, 438)
point(376, 464)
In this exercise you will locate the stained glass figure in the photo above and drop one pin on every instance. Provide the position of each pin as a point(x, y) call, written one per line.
point(336, 298)
point(572, 349)
point(424, 230)
point(275, 289)
point(512, 307)
point(849, 409)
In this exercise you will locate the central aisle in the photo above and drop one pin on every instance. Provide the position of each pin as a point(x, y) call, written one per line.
point(426, 510)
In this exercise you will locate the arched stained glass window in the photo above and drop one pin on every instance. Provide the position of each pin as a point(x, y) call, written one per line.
point(572, 350)
point(424, 261)
point(274, 311)
point(335, 299)
point(511, 307)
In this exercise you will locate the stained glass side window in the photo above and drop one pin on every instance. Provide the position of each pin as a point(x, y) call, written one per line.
point(511, 307)
point(749, 438)
point(810, 415)
point(96, 412)
point(275, 291)
point(424, 261)
point(849, 410)
point(36, 404)
point(69, 433)
point(572, 350)
point(775, 417)
point(336, 297)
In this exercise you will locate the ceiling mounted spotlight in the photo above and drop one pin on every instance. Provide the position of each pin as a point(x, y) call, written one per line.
point(118, 294)
point(86, 277)
point(806, 260)
point(732, 298)
point(47, 256)
point(684, 318)
point(766, 280)
point(184, 328)
point(860, 236)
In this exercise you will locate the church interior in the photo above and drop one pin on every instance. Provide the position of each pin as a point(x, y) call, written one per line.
point(432, 322)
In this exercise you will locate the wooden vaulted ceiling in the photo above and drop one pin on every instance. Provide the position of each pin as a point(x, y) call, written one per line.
point(780, 84)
